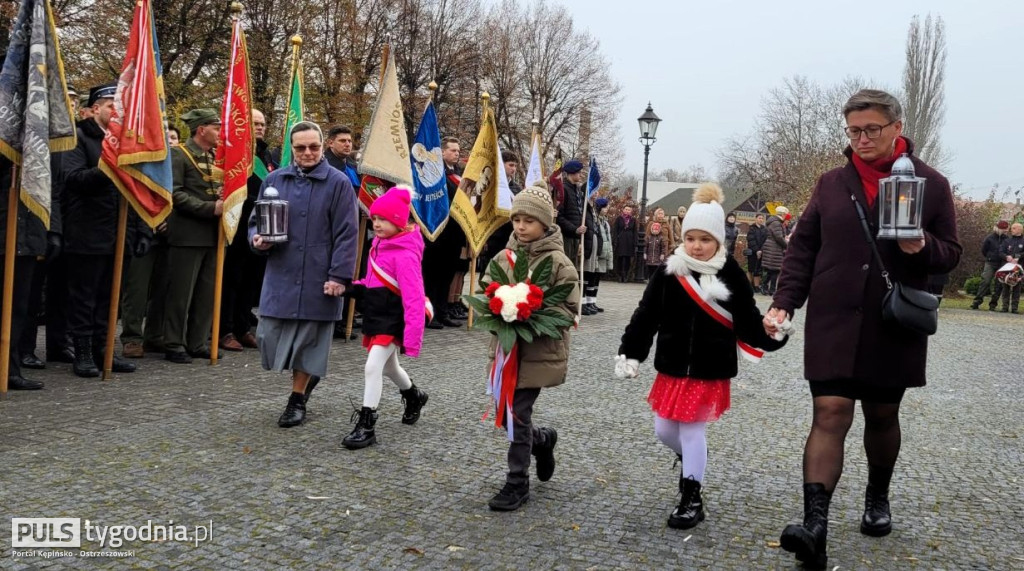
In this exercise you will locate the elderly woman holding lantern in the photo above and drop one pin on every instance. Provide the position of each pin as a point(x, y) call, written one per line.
point(305, 222)
point(851, 352)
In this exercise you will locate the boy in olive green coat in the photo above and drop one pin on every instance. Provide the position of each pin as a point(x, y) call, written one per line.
point(543, 362)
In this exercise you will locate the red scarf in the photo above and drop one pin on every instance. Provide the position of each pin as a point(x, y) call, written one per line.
point(871, 173)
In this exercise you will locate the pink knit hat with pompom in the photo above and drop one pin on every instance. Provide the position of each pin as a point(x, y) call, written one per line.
point(393, 206)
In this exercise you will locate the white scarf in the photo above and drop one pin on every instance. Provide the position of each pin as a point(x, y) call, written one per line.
point(708, 270)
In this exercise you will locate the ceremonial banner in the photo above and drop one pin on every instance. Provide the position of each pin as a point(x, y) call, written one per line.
point(593, 178)
point(237, 143)
point(535, 173)
point(430, 202)
point(295, 107)
point(385, 145)
point(135, 150)
point(35, 113)
point(476, 206)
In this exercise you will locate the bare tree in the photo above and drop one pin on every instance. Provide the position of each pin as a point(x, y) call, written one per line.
point(797, 137)
point(924, 87)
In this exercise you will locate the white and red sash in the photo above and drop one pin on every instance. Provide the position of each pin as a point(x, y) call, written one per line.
point(392, 285)
point(720, 314)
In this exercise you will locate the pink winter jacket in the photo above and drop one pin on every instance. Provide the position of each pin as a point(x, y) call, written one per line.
point(401, 257)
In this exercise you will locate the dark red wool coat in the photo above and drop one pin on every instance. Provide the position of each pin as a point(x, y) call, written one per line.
point(829, 266)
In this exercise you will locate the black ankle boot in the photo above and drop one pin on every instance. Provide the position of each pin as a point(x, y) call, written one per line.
point(362, 435)
point(295, 413)
point(877, 520)
point(808, 541)
point(690, 510)
point(84, 366)
point(414, 400)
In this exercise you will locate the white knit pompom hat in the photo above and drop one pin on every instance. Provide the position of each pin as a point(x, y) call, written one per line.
point(706, 212)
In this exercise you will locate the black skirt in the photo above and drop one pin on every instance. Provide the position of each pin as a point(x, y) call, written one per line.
point(855, 389)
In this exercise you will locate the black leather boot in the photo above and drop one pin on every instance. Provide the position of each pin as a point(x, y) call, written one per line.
point(84, 366)
point(295, 413)
point(362, 435)
point(690, 510)
point(808, 541)
point(414, 400)
point(877, 520)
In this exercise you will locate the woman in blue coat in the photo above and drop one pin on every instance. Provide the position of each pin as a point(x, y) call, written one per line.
point(306, 275)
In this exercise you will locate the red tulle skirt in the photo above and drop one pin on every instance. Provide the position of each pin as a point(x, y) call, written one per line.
point(382, 340)
point(689, 400)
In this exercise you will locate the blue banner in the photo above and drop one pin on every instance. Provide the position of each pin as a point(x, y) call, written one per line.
point(593, 178)
point(430, 203)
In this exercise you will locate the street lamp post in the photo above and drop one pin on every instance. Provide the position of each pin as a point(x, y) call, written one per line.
point(648, 128)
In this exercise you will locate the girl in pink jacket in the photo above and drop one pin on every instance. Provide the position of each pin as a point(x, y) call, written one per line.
point(393, 311)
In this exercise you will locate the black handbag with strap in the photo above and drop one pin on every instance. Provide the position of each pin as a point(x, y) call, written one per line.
point(911, 308)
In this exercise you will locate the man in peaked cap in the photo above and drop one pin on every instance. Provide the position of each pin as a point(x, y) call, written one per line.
point(91, 204)
point(192, 239)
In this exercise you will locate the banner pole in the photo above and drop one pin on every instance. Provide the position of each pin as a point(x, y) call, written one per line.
point(583, 238)
point(472, 281)
point(218, 290)
point(10, 249)
point(115, 287)
point(360, 240)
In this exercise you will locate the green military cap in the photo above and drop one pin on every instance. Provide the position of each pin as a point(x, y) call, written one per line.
point(198, 117)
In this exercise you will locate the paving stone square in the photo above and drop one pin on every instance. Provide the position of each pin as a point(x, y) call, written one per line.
point(195, 444)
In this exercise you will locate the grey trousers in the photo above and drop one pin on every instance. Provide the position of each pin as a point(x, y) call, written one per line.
point(988, 281)
point(524, 436)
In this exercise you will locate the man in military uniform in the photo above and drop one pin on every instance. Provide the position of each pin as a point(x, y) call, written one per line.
point(192, 239)
point(91, 204)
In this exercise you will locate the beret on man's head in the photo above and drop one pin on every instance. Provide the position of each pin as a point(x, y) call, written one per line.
point(1002, 225)
point(198, 117)
point(101, 92)
point(572, 167)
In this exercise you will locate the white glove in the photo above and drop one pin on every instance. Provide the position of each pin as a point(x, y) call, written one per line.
point(626, 368)
point(785, 328)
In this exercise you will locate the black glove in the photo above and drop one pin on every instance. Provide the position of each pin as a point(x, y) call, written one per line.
point(54, 244)
point(142, 246)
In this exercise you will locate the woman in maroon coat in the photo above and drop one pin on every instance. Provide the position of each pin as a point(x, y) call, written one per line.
point(850, 354)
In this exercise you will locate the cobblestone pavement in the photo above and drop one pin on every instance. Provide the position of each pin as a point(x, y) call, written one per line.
point(194, 443)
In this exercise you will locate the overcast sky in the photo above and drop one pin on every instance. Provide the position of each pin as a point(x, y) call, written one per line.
point(705, 66)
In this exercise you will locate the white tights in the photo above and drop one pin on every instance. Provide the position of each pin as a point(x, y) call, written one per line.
point(688, 439)
point(381, 361)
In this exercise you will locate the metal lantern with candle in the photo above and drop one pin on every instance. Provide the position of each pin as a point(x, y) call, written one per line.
point(272, 217)
point(900, 199)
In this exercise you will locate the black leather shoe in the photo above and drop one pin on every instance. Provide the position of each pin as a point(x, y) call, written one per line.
point(877, 520)
point(30, 361)
point(434, 324)
point(295, 412)
point(179, 357)
point(23, 384)
point(449, 322)
point(60, 354)
point(546, 455)
point(599, 309)
point(510, 498)
point(118, 366)
point(204, 353)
